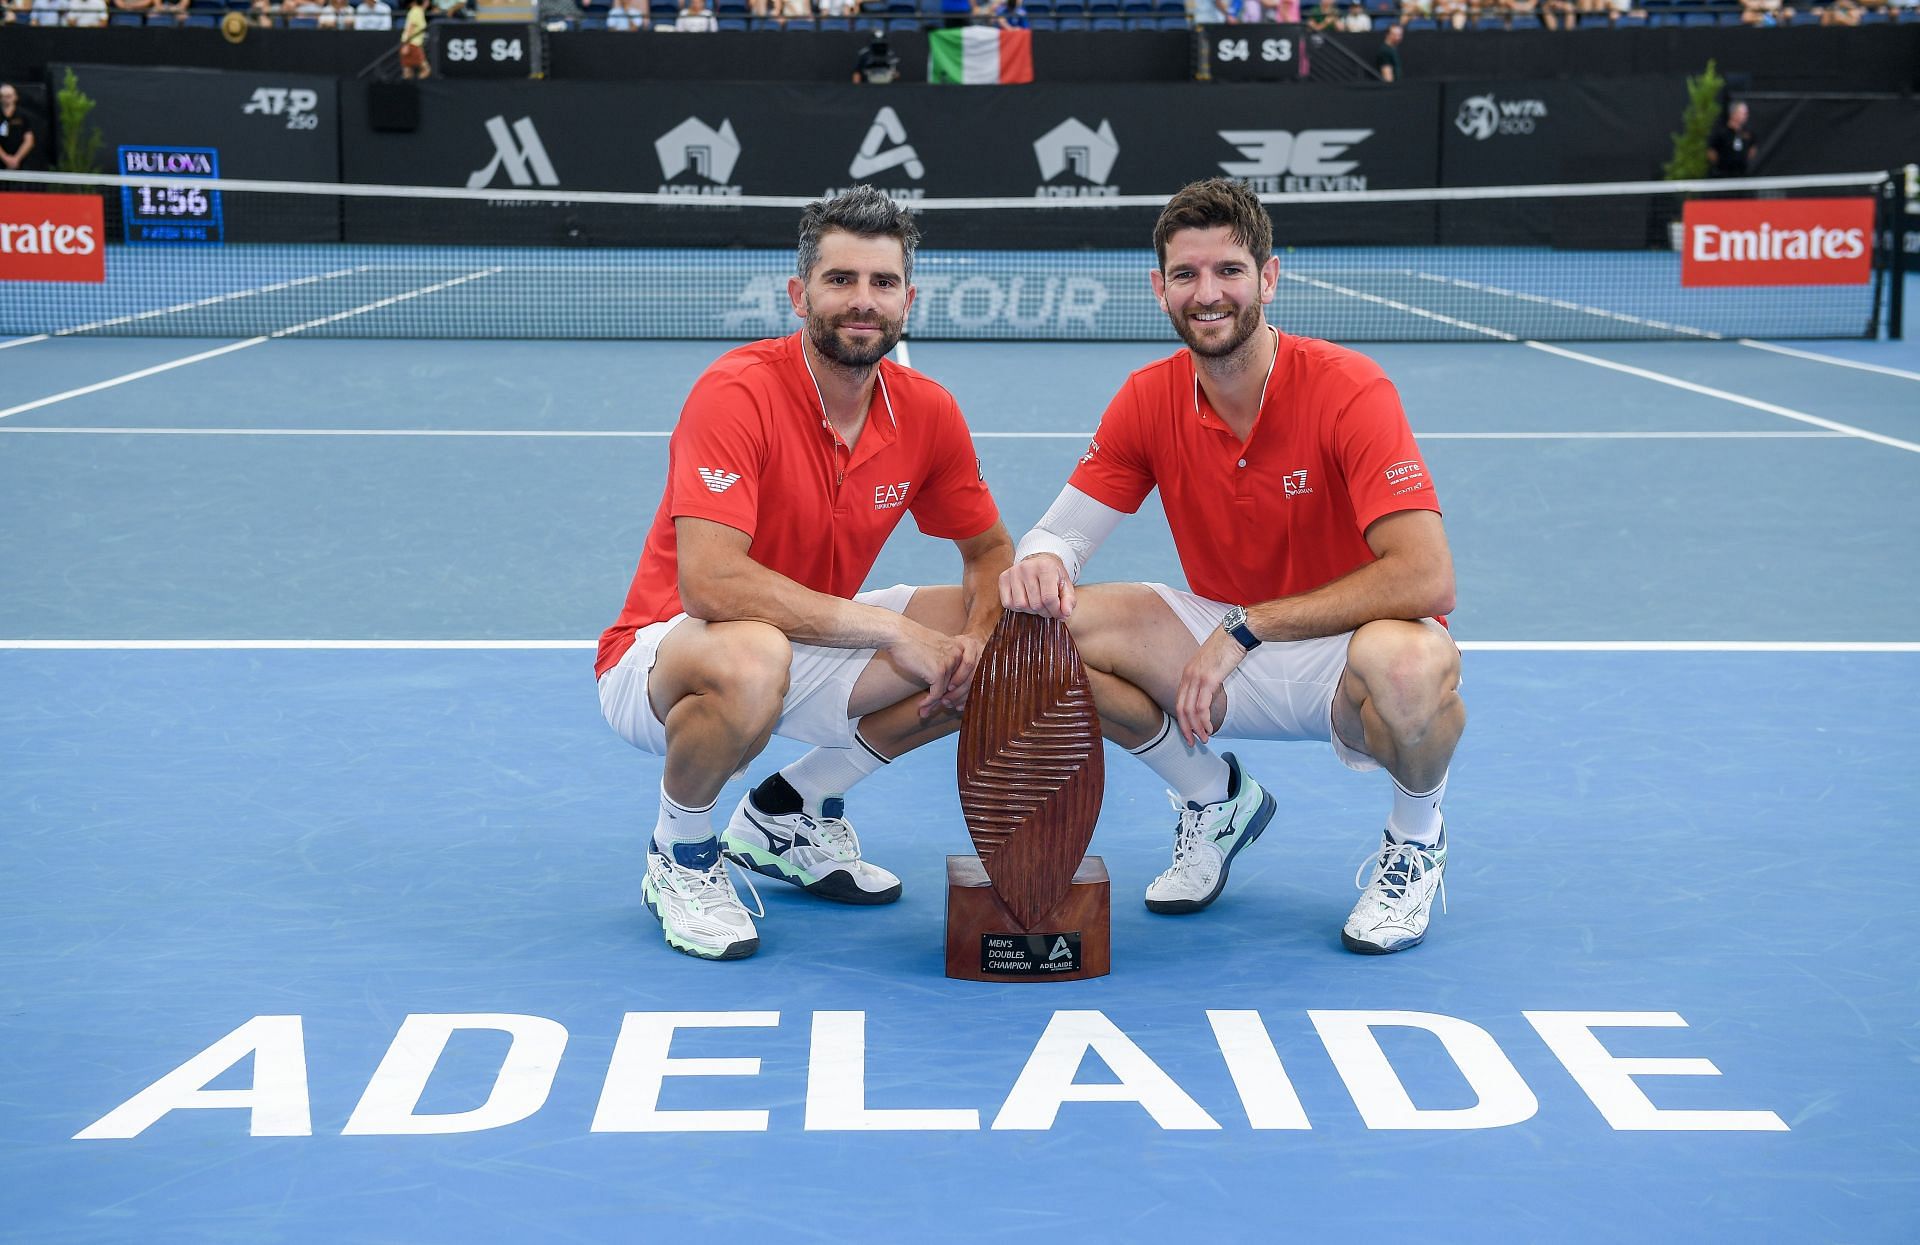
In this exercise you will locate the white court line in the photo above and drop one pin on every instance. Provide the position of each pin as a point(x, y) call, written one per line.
point(1725, 396)
point(1485, 646)
point(242, 345)
point(209, 301)
point(1397, 305)
point(1565, 305)
point(1836, 360)
point(23, 341)
point(1072, 437)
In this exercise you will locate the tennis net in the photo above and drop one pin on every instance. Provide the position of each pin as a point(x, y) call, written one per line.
point(204, 257)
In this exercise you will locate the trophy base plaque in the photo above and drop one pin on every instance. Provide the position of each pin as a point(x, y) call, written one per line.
point(986, 943)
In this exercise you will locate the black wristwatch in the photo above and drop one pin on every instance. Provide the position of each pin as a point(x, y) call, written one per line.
point(1235, 625)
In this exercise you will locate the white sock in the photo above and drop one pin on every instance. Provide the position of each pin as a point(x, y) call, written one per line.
point(1197, 775)
point(680, 824)
point(831, 771)
point(1416, 814)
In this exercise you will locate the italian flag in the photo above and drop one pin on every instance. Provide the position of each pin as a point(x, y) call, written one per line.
point(980, 54)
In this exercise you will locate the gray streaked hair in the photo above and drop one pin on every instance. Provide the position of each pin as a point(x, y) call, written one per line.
point(863, 212)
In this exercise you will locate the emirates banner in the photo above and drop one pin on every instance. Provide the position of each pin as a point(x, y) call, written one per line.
point(1777, 242)
point(52, 237)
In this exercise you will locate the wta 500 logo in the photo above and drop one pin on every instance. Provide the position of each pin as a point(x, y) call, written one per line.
point(52, 238)
point(1483, 116)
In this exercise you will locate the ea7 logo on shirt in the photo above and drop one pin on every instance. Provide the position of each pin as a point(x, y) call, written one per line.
point(1093, 447)
point(718, 481)
point(891, 496)
point(1295, 482)
point(1407, 476)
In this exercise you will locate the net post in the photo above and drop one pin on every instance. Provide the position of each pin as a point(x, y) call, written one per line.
point(1895, 200)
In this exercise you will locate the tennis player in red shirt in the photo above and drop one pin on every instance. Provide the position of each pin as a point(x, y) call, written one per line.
point(1317, 571)
point(792, 462)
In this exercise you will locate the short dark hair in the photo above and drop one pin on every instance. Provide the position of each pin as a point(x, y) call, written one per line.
point(1216, 201)
point(863, 212)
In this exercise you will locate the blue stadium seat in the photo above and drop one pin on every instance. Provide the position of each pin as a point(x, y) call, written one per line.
point(1594, 21)
point(1526, 21)
point(1730, 19)
point(1697, 19)
point(204, 21)
point(903, 23)
point(1173, 23)
point(1140, 23)
point(1109, 23)
point(1041, 23)
point(1874, 17)
point(1103, 8)
point(806, 25)
point(1073, 23)
point(836, 23)
point(1422, 23)
point(762, 23)
point(590, 21)
point(1489, 23)
point(730, 8)
point(1170, 8)
point(1069, 8)
point(1631, 21)
point(730, 23)
point(123, 19)
point(1136, 8)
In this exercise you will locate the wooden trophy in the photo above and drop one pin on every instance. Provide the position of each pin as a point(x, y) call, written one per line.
point(1032, 905)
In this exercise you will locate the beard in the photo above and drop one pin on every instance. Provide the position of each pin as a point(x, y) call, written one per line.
point(1245, 322)
point(825, 336)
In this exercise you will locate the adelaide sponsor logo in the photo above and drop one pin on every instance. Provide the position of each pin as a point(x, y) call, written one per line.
point(695, 150)
point(1777, 242)
point(1083, 155)
point(52, 238)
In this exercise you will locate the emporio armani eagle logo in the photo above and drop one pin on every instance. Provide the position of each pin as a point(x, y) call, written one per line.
point(718, 481)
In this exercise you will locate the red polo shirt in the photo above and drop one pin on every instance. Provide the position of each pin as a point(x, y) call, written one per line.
point(1286, 512)
point(753, 450)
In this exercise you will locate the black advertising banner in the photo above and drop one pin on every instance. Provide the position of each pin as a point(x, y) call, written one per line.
point(202, 122)
point(1253, 53)
point(1041, 142)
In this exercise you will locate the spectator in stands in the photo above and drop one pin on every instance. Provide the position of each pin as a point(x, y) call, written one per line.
point(1765, 12)
point(1356, 22)
point(445, 9)
point(1451, 13)
point(20, 140)
point(627, 15)
point(695, 16)
point(838, 8)
point(1211, 12)
point(1325, 17)
point(373, 15)
point(86, 12)
point(1839, 13)
point(1387, 59)
point(309, 9)
point(413, 42)
point(335, 15)
point(261, 12)
point(1010, 14)
point(1249, 13)
point(1730, 146)
point(791, 10)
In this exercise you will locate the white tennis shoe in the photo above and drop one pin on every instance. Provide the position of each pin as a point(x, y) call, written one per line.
point(1206, 840)
point(821, 856)
point(1397, 899)
point(691, 895)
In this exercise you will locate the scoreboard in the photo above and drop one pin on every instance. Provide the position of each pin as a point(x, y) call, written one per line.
point(171, 215)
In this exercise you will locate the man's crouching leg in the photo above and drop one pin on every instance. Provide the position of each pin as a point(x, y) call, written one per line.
point(718, 688)
point(793, 824)
point(1399, 703)
point(1134, 647)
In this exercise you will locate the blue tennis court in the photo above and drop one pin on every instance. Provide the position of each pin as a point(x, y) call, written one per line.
point(320, 884)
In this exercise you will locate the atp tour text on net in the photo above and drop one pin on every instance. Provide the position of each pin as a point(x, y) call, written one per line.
point(655, 1047)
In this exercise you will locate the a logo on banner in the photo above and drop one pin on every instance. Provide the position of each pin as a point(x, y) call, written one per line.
point(1071, 148)
point(696, 148)
point(52, 238)
point(296, 104)
point(1483, 116)
point(519, 151)
point(886, 147)
point(1284, 162)
point(1777, 242)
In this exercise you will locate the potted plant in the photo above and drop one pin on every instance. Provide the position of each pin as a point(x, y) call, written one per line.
point(1689, 161)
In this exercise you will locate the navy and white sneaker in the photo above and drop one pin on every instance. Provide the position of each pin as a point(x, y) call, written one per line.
point(1397, 900)
point(692, 897)
point(819, 855)
point(1206, 840)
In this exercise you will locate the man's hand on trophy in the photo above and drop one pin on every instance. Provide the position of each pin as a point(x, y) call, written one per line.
point(1038, 584)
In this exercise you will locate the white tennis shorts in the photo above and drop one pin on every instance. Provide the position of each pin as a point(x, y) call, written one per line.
point(1283, 689)
point(815, 711)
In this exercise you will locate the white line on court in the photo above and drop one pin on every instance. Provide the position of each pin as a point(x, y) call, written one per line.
point(1835, 360)
point(242, 345)
point(564, 434)
point(23, 341)
point(1726, 396)
point(1397, 305)
point(1484, 646)
point(1563, 304)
